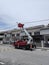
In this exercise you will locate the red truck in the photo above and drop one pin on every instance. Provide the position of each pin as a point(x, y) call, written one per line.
point(23, 43)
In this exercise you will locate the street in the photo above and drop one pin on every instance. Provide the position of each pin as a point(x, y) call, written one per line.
point(11, 56)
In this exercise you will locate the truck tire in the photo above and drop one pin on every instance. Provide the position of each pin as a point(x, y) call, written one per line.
point(27, 47)
point(31, 49)
point(15, 47)
point(24, 48)
point(35, 46)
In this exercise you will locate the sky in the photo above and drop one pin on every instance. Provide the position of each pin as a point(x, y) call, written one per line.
point(22, 11)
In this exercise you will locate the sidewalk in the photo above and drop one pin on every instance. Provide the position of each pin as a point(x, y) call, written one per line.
point(44, 48)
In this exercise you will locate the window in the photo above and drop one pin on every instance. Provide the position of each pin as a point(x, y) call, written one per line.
point(13, 34)
point(36, 33)
point(17, 34)
point(30, 33)
point(1, 34)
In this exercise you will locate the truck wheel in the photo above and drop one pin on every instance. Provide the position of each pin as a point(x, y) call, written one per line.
point(27, 47)
point(15, 47)
point(35, 46)
point(30, 49)
point(24, 48)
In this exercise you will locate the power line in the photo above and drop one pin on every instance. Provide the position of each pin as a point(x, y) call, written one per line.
point(38, 21)
point(13, 26)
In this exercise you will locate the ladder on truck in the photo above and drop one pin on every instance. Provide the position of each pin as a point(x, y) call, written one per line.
point(30, 39)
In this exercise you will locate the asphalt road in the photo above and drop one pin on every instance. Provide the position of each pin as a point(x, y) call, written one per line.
point(11, 56)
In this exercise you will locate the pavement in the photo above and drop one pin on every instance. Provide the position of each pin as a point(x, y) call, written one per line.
point(11, 56)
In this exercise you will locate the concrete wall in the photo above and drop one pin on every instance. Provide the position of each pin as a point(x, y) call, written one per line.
point(43, 32)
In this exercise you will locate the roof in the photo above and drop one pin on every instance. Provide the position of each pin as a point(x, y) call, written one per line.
point(44, 28)
point(29, 28)
point(36, 27)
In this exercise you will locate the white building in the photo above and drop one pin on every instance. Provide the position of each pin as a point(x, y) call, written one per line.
point(39, 33)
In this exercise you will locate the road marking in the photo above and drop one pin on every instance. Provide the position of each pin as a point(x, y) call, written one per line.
point(2, 63)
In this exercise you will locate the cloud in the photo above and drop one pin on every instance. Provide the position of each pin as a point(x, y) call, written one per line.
point(7, 22)
point(12, 11)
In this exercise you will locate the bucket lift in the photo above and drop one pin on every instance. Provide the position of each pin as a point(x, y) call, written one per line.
point(21, 26)
point(21, 43)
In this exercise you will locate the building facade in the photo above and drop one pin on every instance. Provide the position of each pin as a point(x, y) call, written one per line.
point(39, 33)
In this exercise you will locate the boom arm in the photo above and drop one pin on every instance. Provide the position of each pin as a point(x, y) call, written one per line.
point(23, 29)
point(29, 37)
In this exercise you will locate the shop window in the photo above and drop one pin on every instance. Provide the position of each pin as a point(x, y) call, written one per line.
point(36, 33)
point(1, 39)
point(17, 34)
point(1, 34)
point(30, 33)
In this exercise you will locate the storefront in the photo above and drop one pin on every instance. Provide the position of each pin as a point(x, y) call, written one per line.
point(45, 33)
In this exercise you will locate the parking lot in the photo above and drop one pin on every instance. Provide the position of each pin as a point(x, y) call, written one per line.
point(11, 56)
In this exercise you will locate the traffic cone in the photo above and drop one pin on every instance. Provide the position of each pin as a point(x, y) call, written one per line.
point(31, 47)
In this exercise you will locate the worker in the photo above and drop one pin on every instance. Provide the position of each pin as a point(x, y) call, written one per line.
point(31, 44)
